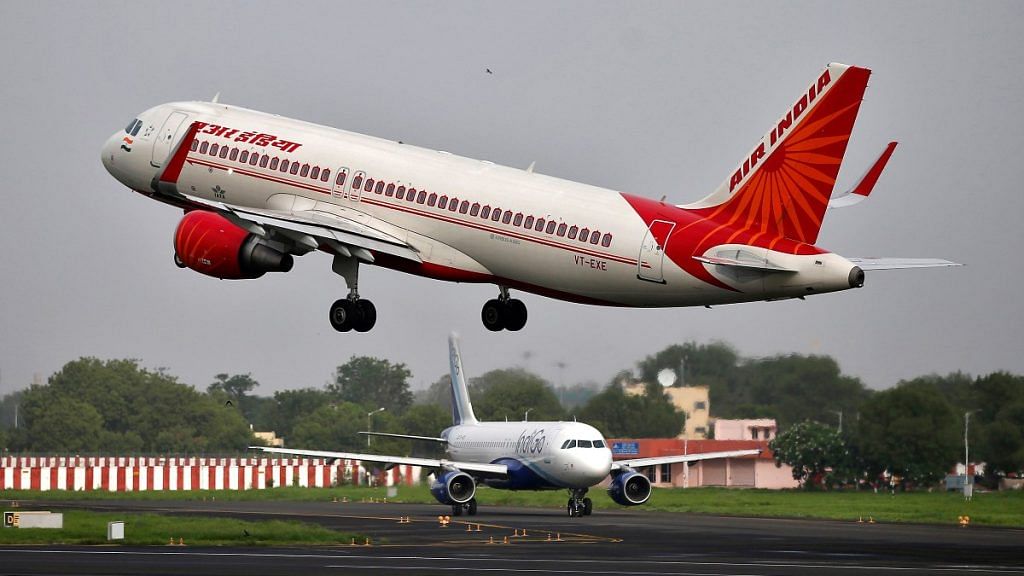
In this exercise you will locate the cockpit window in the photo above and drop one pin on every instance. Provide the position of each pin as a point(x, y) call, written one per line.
point(133, 127)
point(584, 443)
point(598, 444)
point(568, 444)
point(135, 131)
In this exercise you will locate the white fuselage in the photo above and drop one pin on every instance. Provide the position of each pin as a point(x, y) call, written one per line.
point(617, 264)
point(533, 452)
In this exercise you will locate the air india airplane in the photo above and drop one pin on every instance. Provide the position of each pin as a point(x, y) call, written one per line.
point(258, 189)
point(519, 456)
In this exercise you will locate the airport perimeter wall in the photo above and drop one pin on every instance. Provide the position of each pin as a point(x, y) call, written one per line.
point(132, 474)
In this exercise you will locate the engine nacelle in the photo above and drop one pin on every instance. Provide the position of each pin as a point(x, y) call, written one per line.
point(209, 244)
point(630, 488)
point(453, 487)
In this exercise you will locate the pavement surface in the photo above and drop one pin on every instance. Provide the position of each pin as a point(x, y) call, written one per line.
point(526, 541)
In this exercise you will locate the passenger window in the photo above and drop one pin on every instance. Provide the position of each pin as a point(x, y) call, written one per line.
point(539, 227)
point(379, 188)
point(253, 159)
point(442, 202)
point(369, 185)
point(422, 197)
point(410, 195)
point(572, 232)
point(326, 175)
point(390, 191)
point(551, 227)
point(315, 173)
point(518, 220)
point(496, 215)
point(432, 200)
point(594, 237)
point(486, 212)
point(508, 217)
point(224, 151)
point(273, 163)
point(453, 205)
point(529, 222)
point(195, 145)
point(305, 170)
point(474, 209)
point(584, 234)
point(357, 181)
point(284, 165)
point(584, 444)
point(340, 180)
point(204, 147)
point(561, 229)
point(401, 192)
point(244, 157)
point(214, 149)
point(294, 169)
point(234, 154)
point(465, 207)
point(607, 240)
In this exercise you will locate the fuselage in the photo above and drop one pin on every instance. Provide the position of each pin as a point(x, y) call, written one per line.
point(539, 455)
point(470, 220)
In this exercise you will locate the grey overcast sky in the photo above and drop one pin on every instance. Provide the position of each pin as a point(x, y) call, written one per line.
point(651, 98)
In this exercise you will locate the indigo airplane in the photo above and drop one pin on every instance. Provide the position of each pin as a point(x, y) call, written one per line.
point(519, 456)
point(258, 189)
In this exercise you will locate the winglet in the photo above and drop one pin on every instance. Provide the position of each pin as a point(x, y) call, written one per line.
point(167, 180)
point(867, 182)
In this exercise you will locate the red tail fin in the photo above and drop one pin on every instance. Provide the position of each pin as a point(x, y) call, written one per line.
point(783, 186)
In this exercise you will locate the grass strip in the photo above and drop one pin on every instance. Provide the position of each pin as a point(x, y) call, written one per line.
point(85, 527)
point(1005, 508)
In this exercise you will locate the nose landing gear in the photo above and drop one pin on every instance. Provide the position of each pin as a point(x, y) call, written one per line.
point(504, 313)
point(579, 504)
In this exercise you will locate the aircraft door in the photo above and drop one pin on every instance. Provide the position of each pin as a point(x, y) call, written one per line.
point(652, 251)
point(165, 138)
point(341, 183)
point(356, 190)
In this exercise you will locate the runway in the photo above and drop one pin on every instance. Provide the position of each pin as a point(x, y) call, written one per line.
point(620, 542)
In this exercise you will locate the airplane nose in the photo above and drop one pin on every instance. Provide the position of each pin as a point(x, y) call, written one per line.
point(109, 152)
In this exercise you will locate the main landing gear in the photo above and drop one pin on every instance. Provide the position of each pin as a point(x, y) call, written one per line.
point(579, 504)
point(504, 313)
point(469, 507)
point(353, 312)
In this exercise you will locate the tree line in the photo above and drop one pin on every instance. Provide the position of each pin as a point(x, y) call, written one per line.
point(118, 406)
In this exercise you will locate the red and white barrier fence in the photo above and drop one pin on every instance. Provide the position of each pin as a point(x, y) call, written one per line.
point(132, 474)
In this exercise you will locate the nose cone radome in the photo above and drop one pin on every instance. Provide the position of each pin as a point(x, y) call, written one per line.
point(597, 465)
point(109, 152)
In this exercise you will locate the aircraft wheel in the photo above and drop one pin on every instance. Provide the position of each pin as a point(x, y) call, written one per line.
point(178, 261)
point(456, 509)
point(515, 315)
point(471, 507)
point(493, 315)
point(342, 315)
point(365, 316)
point(588, 506)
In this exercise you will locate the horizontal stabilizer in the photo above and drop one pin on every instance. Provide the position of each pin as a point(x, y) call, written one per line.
point(746, 264)
point(900, 263)
point(866, 183)
point(407, 437)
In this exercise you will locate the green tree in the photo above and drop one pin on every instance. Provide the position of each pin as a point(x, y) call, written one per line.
point(910, 431)
point(373, 382)
point(66, 425)
point(999, 423)
point(235, 386)
point(332, 427)
point(620, 415)
point(817, 453)
point(509, 393)
point(694, 364)
point(292, 406)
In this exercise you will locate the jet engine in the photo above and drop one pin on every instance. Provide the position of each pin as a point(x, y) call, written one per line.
point(209, 244)
point(630, 488)
point(453, 487)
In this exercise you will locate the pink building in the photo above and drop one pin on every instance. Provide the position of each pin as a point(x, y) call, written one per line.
point(743, 472)
point(758, 429)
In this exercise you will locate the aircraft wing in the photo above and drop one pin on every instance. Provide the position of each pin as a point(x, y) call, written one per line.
point(477, 468)
point(408, 437)
point(305, 230)
point(658, 460)
point(900, 263)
